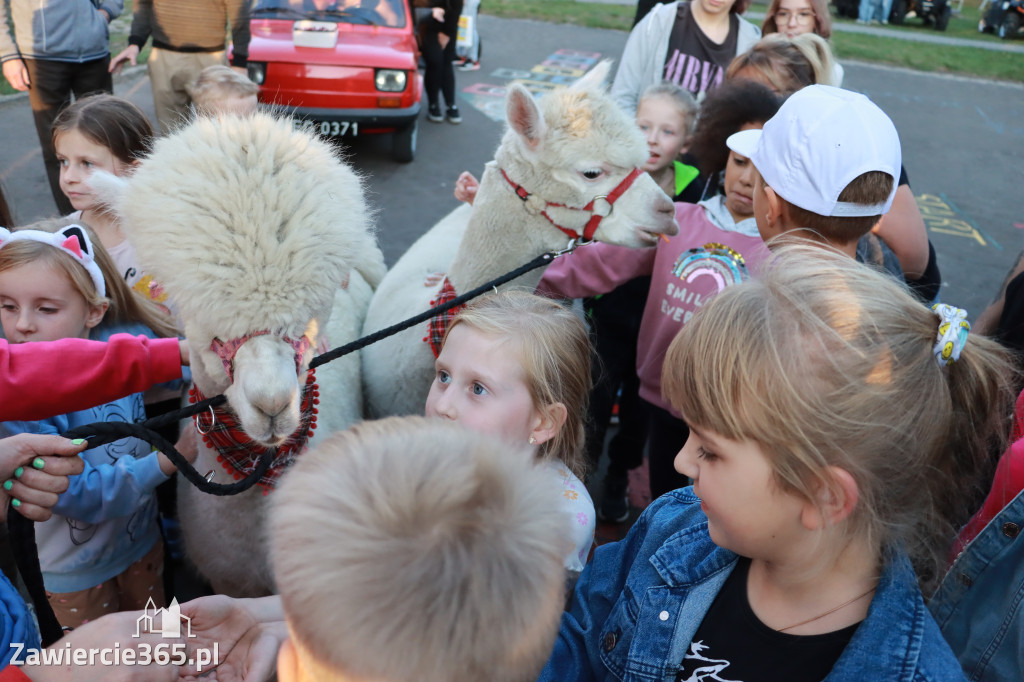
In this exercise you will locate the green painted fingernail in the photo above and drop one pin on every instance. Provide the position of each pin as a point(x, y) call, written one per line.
point(78, 441)
point(8, 485)
point(38, 463)
point(16, 502)
point(18, 472)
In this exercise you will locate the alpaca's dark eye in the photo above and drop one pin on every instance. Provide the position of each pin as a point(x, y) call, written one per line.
point(592, 173)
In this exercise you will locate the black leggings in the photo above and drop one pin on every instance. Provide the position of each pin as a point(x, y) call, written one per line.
point(440, 74)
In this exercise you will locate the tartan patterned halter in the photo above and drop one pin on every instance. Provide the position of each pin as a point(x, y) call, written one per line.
point(437, 325)
point(238, 453)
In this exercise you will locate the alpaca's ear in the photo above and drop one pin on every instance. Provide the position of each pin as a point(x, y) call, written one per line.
point(595, 78)
point(524, 117)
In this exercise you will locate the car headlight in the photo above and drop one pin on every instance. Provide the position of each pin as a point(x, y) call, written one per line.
point(390, 80)
point(257, 72)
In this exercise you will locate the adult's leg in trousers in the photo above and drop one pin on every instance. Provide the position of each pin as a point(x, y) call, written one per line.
point(170, 73)
point(448, 73)
point(52, 85)
point(433, 56)
point(666, 439)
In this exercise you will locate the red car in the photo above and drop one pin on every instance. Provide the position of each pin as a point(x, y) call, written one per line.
point(343, 68)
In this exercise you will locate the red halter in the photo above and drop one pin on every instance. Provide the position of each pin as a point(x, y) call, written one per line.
point(595, 218)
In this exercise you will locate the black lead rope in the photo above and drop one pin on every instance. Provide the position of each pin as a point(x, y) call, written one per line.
point(22, 531)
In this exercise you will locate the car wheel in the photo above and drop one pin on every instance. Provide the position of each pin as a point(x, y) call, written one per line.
point(404, 149)
point(942, 20)
point(1009, 27)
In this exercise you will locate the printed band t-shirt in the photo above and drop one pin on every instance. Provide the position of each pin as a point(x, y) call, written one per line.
point(694, 61)
point(733, 645)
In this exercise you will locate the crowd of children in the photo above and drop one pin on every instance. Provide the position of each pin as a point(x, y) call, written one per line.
point(820, 442)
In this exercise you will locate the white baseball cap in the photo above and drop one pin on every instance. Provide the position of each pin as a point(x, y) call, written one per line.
point(819, 141)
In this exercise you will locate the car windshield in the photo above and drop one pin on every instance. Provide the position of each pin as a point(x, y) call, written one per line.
point(370, 12)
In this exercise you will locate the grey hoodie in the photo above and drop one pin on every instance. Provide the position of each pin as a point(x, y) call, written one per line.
point(56, 30)
point(643, 59)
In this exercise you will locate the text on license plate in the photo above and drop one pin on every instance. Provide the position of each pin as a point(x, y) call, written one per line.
point(329, 128)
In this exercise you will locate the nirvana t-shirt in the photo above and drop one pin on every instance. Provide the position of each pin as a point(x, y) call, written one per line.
point(732, 645)
point(694, 62)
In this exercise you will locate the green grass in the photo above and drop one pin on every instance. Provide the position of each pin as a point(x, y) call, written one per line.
point(970, 61)
point(589, 14)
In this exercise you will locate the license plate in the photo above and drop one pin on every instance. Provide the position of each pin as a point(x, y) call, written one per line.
point(329, 128)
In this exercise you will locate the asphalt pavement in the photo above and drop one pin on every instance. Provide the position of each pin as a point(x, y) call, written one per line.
point(963, 145)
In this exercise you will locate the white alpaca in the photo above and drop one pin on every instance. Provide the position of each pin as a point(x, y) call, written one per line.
point(253, 227)
point(573, 145)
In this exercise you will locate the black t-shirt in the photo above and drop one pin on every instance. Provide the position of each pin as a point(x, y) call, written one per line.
point(732, 645)
point(693, 61)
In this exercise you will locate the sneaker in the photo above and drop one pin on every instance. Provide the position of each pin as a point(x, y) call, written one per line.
point(453, 115)
point(614, 507)
point(468, 66)
point(434, 113)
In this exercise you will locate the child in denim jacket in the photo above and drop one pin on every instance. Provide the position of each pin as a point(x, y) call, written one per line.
point(831, 416)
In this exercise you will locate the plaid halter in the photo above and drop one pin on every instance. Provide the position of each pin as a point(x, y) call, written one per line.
point(438, 325)
point(238, 453)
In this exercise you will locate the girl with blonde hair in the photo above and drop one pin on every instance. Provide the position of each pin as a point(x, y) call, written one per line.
point(785, 64)
point(101, 551)
point(517, 366)
point(836, 428)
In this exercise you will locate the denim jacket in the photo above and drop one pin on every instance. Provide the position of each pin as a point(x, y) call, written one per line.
point(639, 602)
point(980, 603)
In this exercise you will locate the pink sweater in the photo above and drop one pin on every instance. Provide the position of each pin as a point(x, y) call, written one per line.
point(709, 253)
point(40, 380)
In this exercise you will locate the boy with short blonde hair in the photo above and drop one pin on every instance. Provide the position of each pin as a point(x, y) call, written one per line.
point(412, 550)
point(220, 90)
point(829, 162)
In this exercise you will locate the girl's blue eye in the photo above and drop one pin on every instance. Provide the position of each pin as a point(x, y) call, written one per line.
point(48, 311)
point(9, 307)
point(478, 389)
point(443, 377)
point(88, 164)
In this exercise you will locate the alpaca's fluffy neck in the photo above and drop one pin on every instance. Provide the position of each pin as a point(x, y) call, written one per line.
point(501, 236)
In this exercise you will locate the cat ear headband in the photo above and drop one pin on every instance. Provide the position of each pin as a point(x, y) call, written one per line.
point(72, 240)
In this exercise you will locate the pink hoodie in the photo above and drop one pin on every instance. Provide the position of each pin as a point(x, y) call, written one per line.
point(710, 252)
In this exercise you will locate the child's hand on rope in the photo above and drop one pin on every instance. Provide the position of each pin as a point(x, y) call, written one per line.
point(433, 279)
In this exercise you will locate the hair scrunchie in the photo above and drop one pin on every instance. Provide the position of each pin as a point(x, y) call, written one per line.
point(953, 328)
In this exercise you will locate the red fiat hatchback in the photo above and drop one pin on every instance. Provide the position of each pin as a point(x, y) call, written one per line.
point(343, 68)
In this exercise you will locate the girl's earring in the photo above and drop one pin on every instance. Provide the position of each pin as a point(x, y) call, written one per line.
point(532, 440)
